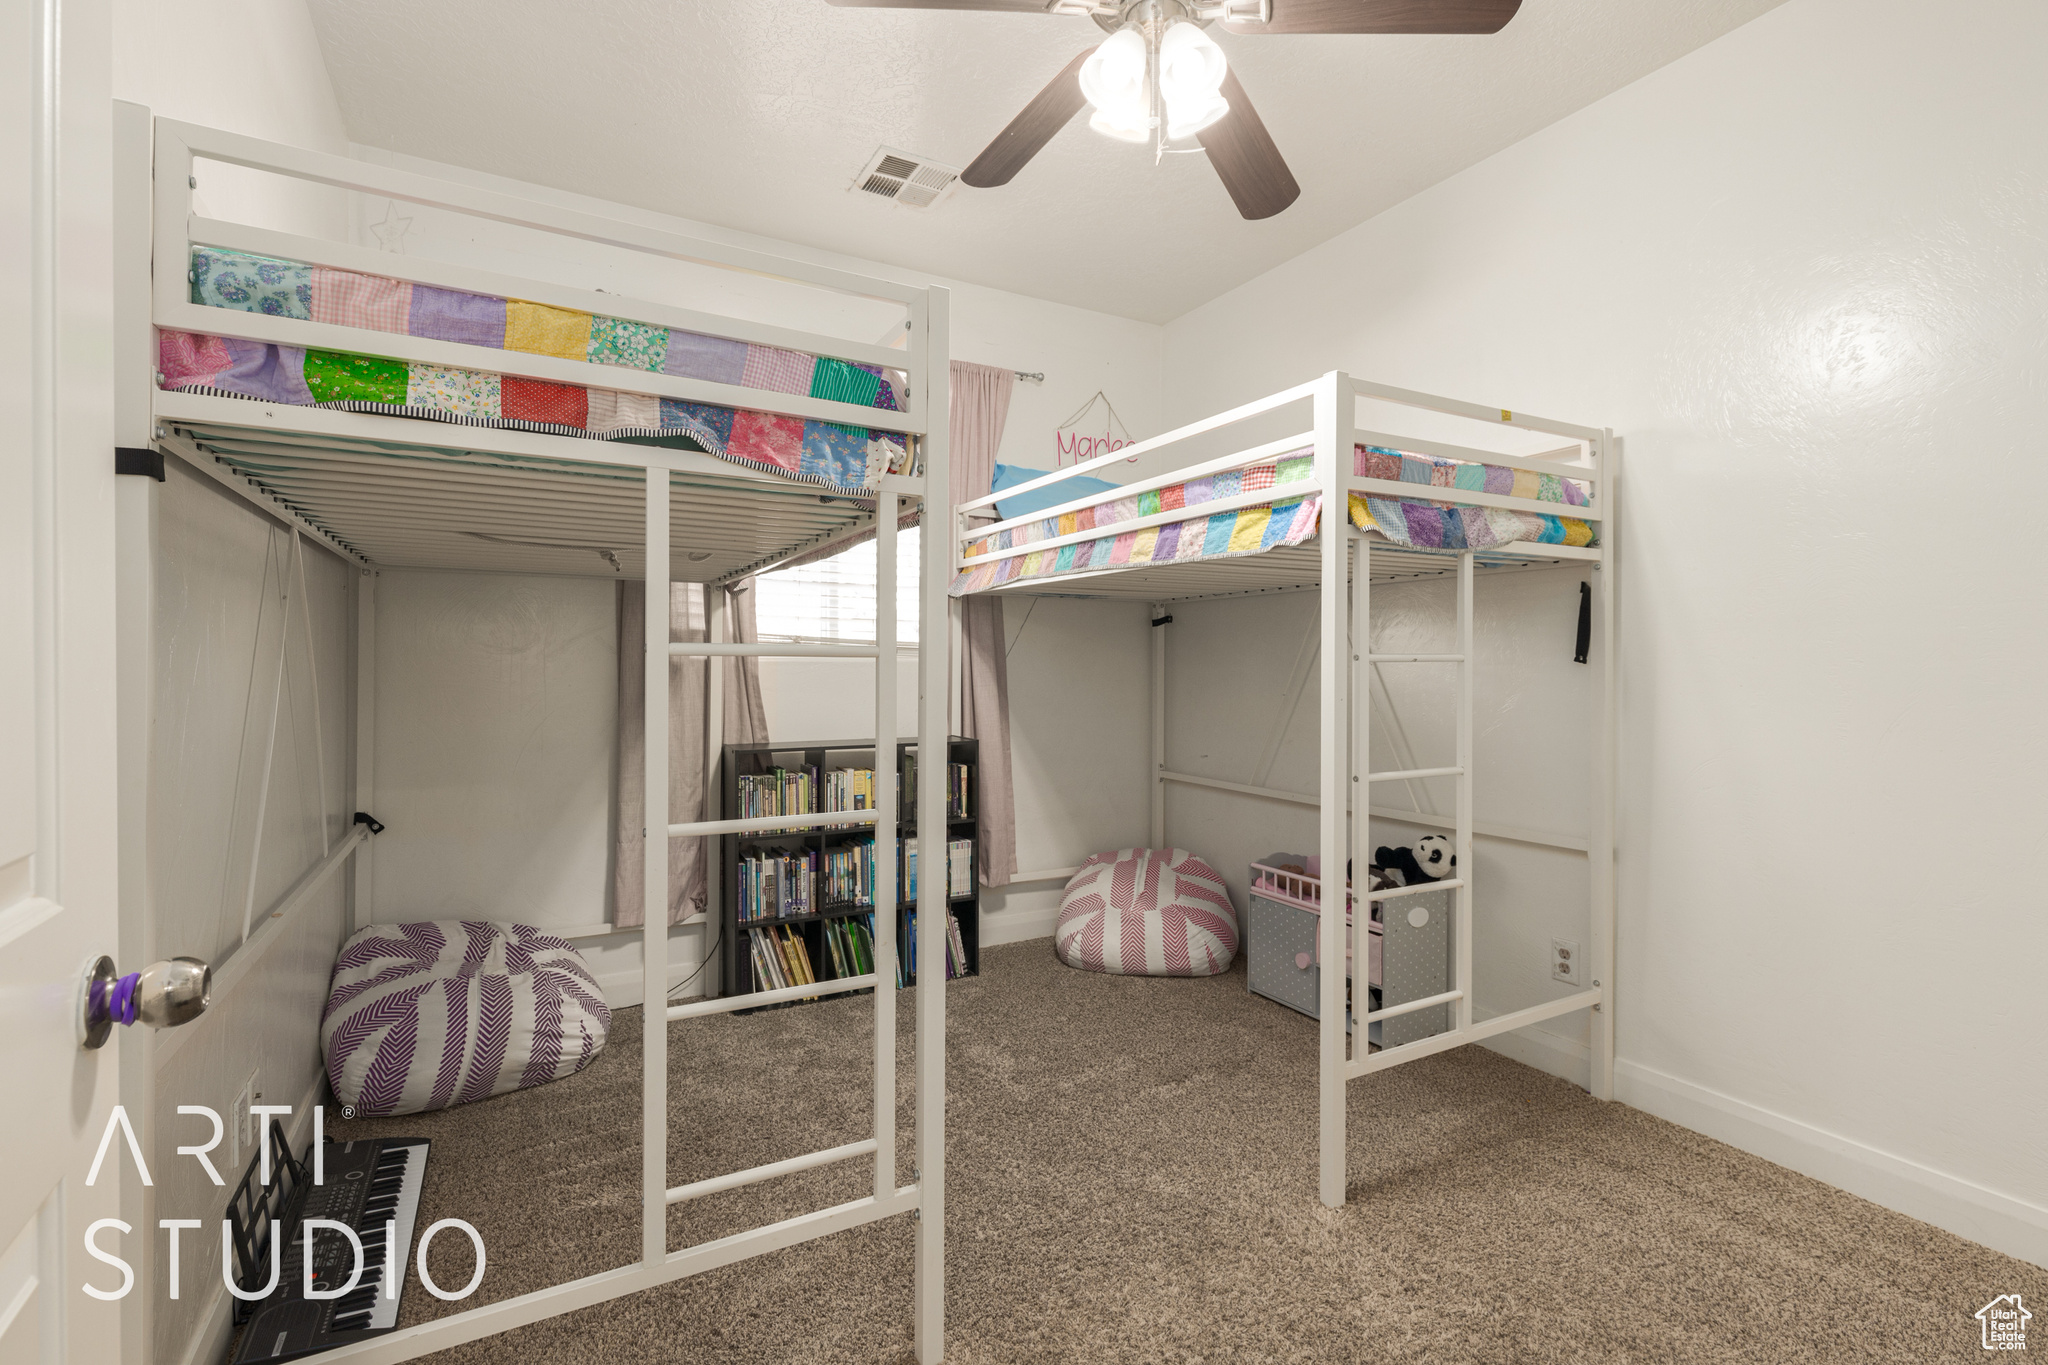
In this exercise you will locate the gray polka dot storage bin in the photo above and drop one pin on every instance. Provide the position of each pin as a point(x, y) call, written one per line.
point(1408, 953)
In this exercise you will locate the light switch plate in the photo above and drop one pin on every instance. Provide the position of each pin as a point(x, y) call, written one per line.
point(241, 1129)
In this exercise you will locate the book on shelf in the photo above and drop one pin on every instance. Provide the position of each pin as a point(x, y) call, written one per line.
point(849, 945)
point(956, 950)
point(780, 958)
point(848, 789)
point(959, 787)
point(959, 868)
point(777, 885)
point(780, 791)
point(848, 874)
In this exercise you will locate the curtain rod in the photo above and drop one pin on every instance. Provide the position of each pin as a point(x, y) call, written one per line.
point(895, 334)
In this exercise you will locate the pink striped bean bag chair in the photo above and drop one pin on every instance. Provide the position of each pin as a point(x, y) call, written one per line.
point(1147, 912)
point(422, 1016)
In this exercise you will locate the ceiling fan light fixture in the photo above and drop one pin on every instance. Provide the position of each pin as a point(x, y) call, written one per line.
point(1114, 79)
point(1187, 118)
point(1191, 69)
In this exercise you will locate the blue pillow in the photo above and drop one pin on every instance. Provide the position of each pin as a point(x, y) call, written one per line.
point(1024, 504)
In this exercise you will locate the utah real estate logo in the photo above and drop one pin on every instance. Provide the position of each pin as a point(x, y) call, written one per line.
point(2005, 1323)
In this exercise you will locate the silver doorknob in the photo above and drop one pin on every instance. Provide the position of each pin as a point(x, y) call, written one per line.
point(161, 995)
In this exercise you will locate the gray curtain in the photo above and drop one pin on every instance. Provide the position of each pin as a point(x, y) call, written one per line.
point(980, 409)
point(689, 795)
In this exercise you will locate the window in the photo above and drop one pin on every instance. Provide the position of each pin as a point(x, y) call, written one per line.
point(834, 599)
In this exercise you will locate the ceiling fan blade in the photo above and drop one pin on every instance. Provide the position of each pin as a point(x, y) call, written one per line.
point(1050, 110)
point(1009, 6)
point(1380, 16)
point(1244, 155)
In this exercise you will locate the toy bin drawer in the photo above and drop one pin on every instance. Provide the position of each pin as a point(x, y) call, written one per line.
point(1409, 958)
point(1281, 958)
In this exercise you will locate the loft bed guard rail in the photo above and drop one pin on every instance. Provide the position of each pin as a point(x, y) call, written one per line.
point(819, 437)
point(1433, 506)
point(388, 332)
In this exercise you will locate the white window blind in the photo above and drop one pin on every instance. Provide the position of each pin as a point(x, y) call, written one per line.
point(834, 599)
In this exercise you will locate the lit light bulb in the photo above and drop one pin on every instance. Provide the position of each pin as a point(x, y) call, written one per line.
point(1113, 80)
point(1191, 70)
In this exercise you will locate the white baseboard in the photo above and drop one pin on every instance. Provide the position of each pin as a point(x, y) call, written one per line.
point(1016, 926)
point(1999, 1221)
point(624, 989)
point(1565, 1058)
point(1986, 1216)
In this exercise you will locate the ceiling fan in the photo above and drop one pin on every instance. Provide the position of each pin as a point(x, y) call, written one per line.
point(1159, 78)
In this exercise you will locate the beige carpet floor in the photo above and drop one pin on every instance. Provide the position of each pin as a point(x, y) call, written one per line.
point(1132, 1179)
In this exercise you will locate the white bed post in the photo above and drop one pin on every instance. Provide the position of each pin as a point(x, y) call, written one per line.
point(1600, 845)
point(1461, 924)
point(654, 929)
point(934, 670)
point(956, 654)
point(888, 834)
point(709, 937)
point(1335, 404)
point(1361, 763)
point(362, 875)
point(1154, 612)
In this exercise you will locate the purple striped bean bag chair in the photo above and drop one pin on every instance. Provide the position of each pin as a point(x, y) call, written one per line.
point(1147, 912)
point(422, 1016)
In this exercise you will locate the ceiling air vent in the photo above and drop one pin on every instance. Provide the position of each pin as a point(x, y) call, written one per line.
point(907, 179)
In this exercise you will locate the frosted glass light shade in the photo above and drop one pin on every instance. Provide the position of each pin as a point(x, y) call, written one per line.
point(1113, 80)
point(1191, 69)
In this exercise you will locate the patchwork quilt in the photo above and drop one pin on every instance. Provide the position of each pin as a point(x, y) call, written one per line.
point(835, 455)
point(1414, 522)
point(1427, 525)
point(1219, 535)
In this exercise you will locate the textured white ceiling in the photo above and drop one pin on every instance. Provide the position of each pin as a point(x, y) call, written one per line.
point(757, 114)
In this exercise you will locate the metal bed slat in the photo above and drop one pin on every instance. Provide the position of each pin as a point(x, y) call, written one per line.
point(402, 505)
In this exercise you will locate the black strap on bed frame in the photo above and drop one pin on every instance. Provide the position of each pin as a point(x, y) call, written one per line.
point(1162, 620)
point(1585, 623)
point(136, 460)
point(364, 817)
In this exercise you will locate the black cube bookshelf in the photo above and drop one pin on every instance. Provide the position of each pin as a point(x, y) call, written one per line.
point(738, 975)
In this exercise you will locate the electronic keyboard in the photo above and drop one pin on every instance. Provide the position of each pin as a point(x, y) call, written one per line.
point(371, 1186)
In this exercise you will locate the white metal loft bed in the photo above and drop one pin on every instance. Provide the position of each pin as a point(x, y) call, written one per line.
point(389, 491)
point(1343, 561)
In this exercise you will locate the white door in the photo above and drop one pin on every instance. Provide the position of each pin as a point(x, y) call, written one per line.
point(57, 782)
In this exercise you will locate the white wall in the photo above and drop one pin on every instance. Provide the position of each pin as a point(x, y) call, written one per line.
point(496, 722)
point(229, 604)
point(1232, 715)
point(1080, 736)
point(248, 66)
point(1801, 272)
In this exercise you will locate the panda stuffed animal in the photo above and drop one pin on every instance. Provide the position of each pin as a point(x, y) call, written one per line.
point(1431, 860)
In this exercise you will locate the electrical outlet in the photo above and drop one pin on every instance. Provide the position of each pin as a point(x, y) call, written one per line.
point(1564, 963)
